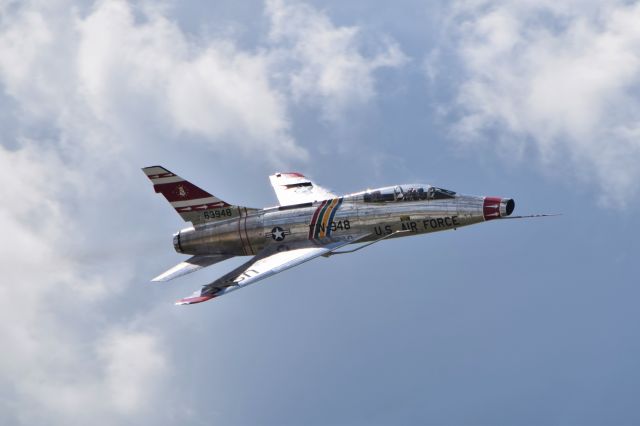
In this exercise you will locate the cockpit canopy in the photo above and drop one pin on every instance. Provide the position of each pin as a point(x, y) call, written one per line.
point(407, 193)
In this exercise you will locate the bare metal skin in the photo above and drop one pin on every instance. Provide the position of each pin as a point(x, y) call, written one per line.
point(309, 222)
point(376, 219)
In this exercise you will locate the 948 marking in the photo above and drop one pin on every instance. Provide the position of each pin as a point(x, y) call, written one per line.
point(340, 224)
point(334, 225)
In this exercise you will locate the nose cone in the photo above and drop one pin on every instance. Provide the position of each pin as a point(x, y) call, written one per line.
point(496, 207)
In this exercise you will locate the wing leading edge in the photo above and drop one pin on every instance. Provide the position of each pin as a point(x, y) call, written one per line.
point(271, 260)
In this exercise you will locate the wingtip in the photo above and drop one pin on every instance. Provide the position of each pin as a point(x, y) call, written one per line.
point(288, 174)
point(154, 170)
point(192, 300)
point(163, 277)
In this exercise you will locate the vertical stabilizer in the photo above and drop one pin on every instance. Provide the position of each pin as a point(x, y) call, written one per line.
point(192, 203)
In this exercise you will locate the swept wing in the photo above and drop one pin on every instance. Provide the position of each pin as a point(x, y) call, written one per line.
point(295, 188)
point(272, 259)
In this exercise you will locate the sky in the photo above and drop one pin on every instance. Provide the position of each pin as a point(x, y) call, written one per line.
point(530, 322)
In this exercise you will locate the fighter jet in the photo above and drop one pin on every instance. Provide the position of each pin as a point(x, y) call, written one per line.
point(309, 222)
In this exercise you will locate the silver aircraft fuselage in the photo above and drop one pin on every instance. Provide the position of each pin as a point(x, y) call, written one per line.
point(310, 222)
point(388, 212)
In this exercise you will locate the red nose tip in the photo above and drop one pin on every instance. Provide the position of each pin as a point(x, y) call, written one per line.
point(495, 207)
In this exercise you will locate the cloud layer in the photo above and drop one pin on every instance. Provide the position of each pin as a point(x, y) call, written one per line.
point(85, 93)
point(328, 67)
point(561, 78)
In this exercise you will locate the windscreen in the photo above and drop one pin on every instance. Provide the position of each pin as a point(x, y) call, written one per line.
point(407, 193)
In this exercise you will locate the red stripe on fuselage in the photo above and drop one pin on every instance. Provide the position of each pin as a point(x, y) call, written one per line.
point(312, 225)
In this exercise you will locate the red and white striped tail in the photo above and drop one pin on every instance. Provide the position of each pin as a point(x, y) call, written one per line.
point(191, 202)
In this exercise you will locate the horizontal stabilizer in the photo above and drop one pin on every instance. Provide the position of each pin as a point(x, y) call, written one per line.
point(190, 265)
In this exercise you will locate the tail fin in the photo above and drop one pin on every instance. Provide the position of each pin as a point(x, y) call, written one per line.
point(192, 203)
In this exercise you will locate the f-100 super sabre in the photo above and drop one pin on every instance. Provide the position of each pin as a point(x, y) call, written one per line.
point(309, 222)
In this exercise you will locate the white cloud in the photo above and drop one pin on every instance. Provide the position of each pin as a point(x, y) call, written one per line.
point(135, 364)
point(113, 69)
point(88, 91)
point(47, 307)
point(330, 68)
point(562, 75)
point(208, 88)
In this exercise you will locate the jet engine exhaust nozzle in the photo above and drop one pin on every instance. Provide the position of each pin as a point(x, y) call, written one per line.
point(176, 242)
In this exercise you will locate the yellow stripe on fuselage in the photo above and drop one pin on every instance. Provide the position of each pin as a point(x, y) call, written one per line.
point(325, 218)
